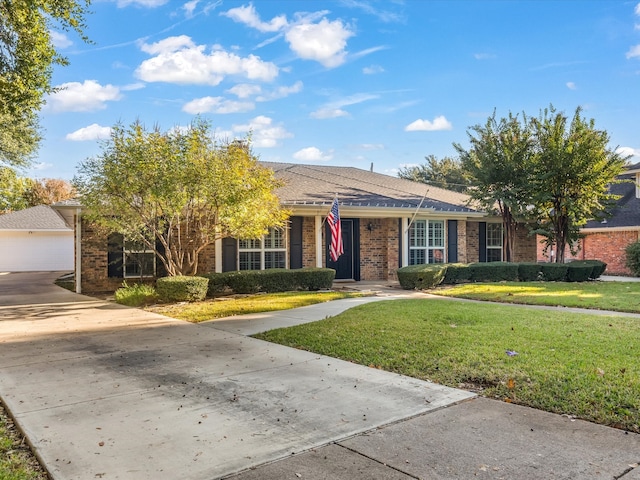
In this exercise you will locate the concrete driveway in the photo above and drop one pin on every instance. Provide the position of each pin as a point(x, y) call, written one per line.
point(105, 391)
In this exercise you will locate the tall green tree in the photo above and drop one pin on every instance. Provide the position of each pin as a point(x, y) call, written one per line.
point(573, 168)
point(445, 173)
point(177, 192)
point(27, 57)
point(498, 162)
point(12, 190)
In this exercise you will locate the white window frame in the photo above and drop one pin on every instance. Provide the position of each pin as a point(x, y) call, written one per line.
point(491, 240)
point(259, 248)
point(423, 238)
point(127, 250)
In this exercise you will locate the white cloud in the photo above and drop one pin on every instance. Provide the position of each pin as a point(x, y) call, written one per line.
point(179, 60)
point(312, 154)
point(325, 113)
point(628, 151)
point(190, 7)
point(371, 146)
point(60, 40)
point(132, 86)
point(216, 105)
point(484, 56)
point(372, 70)
point(245, 90)
point(439, 123)
point(281, 92)
point(264, 133)
point(41, 166)
point(82, 97)
point(92, 132)
point(637, 9)
point(334, 109)
point(634, 52)
point(571, 86)
point(248, 15)
point(324, 42)
point(141, 3)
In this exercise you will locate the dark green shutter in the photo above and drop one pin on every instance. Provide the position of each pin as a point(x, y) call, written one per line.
point(482, 242)
point(229, 254)
point(452, 241)
point(295, 245)
point(114, 255)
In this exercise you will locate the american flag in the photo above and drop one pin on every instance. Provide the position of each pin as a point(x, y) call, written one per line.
point(335, 249)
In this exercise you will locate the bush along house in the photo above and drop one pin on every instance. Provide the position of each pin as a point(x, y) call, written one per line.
point(385, 223)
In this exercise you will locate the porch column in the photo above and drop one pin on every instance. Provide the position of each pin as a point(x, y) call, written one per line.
point(404, 234)
point(78, 251)
point(318, 226)
point(217, 252)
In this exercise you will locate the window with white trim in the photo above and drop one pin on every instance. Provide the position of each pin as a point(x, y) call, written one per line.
point(494, 242)
point(426, 242)
point(138, 260)
point(270, 251)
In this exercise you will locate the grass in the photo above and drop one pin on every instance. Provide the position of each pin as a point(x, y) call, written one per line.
point(575, 364)
point(229, 306)
point(617, 296)
point(17, 462)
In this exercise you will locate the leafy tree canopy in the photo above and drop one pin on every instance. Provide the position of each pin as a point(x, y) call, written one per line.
point(178, 191)
point(445, 173)
point(27, 56)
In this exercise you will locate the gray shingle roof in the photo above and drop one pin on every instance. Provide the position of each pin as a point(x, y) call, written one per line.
point(626, 212)
point(42, 217)
point(319, 185)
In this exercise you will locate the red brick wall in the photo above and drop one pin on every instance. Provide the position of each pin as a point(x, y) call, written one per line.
point(94, 262)
point(473, 244)
point(608, 247)
point(379, 248)
point(308, 242)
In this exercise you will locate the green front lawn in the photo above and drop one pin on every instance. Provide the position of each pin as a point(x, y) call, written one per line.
point(241, 305)
point(618, 296)
point(575, 364)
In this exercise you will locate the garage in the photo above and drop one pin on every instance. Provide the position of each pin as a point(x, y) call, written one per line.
point(35, 239)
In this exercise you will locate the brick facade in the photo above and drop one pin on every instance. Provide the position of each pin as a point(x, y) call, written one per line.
point(608, 247)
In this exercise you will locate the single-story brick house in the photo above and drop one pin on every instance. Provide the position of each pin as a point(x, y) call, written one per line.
point(35, 239)
point(387, 222)
point(606, 240)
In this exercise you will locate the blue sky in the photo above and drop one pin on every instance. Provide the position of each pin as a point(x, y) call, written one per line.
point(343, 82)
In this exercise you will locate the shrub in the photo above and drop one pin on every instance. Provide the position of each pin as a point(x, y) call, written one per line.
point(493, 271)
point(314, 278)
point(583, 270)
point(633, 258)
point(245, 281)
point(457, 273)
point(554, 272)
point(420, 277)
point(529, 272)
point(182, 288)
point(277, 280)
point(218, 283)
point(136, 295)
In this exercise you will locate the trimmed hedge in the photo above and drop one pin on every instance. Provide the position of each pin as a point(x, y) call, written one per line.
point(270, 280)
point(430, 275)
point(632, 260)
point(419, 277)
point(182, 289)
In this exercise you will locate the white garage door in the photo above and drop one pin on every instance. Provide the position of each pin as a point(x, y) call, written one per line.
point(36, 251)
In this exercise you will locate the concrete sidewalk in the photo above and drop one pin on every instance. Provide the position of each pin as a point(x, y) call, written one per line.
point(104, 391)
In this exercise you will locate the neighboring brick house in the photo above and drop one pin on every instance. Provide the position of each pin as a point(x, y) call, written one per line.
point(607, 240)
point(387, 222)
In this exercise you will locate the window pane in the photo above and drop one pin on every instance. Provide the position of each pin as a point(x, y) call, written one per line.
point(274, 239)
point(139, 264)
point(249, 260)
point(436, 233)
point(249, 244)
point(494, 235)
point(417, 234)
point(416, 256)
point(436, 256)
point(494, 254)
point(274, 260)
